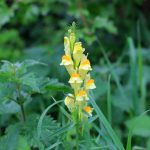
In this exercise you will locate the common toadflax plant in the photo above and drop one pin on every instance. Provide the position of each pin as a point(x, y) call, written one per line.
point(78, 67)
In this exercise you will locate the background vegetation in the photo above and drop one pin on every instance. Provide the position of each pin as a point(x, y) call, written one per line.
point(115, 33)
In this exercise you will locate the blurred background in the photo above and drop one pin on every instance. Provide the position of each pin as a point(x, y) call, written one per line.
point(115, 34)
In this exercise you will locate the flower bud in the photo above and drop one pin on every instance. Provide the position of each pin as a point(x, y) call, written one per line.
point(67, 46)
point(88, 110)
point(69, 102)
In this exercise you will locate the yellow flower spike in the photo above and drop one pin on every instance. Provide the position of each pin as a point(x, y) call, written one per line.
point(88, 110)
point(68, 63)
point(78, 66)
point(82, 96)
point(90, 84)
point(70, 102)
point(67, 46)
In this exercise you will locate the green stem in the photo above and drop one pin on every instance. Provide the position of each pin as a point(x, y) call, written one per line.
point(77, 136)
point(77, 129)
point(23, 112)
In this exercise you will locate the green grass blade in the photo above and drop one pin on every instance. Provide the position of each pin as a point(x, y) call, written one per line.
point(140, 69)
point(109, 111)
point(133, 76)
point(129, 141)
point(107, 126)
point(53, 146)
point(39, 126)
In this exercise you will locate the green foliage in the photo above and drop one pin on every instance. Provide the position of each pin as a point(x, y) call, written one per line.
point(116, 37)
point(25, 136)
point(139, 126)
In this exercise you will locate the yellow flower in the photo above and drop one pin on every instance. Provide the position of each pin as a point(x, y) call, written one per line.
point(68, 63)
point(82, 96)
point(67, 46)
point(70, 102)
point(88, 110)
point(66, 60)
point(90, 84)
point(84, 67)
point(75, 82)
point(78, 48)
point(75, 78)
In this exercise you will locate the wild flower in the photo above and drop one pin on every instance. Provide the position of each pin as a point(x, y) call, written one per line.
point(78, 67)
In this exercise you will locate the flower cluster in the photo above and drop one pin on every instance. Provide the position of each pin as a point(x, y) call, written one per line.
point(78, 67)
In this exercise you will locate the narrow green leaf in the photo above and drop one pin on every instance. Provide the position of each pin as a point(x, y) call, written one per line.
point(54, 145)
point(129, 141)
point(107, 126)
point(39, 126)
point(109, 101)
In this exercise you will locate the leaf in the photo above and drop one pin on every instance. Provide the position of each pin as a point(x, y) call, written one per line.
point(129, 141)
point(48, 127)
point(101, 22)
point(140, 126)
point(22, 144)
point(31, 81)
point(9, 141)
point(54, 85)
point(107, 126)
point(9, 108)
point(54, 145)
point(5, 13)
point(5, 94)
point(39, 126)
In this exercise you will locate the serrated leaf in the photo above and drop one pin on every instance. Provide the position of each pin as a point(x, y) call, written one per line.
point(22, 144)
point(9, 108)
point(31, 81)
point(9, 141)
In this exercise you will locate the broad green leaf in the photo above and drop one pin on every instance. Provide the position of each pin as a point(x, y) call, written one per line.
point(139, 126)
point(9, 141)
point(9, 108)
point(22, 144)
point(31, 81)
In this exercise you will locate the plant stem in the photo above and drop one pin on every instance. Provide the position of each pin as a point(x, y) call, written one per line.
point(77, 136)
point(77, 128)
point(23, 112)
